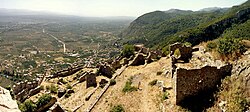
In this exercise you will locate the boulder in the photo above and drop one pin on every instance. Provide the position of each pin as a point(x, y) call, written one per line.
point(7, 104)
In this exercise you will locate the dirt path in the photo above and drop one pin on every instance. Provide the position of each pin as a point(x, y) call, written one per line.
point(145, 101)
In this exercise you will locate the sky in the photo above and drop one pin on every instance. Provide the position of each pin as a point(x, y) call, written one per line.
point(103, 8)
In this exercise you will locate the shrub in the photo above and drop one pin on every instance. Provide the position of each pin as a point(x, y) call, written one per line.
point(128, 87)
point(67, 95)
point(228, 45)
point(177, 53)
point(112, 82)
point(47, 88)
point(187, 44)
point(128, 50)
point(44, 99)
point(117, 108)
point(69, 86)
point(27, 106)
point(233, 91)
point(165, 50)
point(165, 95)
point(42, 87)
point(53, 88)
point(211, 45)
point(152, 83)
point(159, 73)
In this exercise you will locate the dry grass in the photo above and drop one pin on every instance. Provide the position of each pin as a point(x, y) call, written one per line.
point(146, 99)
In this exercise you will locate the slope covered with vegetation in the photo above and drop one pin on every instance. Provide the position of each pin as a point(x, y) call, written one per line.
point(188, 26)
point(152, 28)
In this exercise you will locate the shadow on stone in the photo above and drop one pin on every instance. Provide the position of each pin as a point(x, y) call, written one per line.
point(200, 102)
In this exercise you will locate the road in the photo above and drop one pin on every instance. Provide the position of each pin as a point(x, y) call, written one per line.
point(64, 45)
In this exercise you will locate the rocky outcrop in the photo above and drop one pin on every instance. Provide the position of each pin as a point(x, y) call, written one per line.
point(7, 104)
point(190, 82)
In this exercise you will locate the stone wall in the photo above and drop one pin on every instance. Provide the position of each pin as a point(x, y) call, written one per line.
point(186, 52)
point(24, 85)
point(91, 80)
point(190, 82)
point(66, 72)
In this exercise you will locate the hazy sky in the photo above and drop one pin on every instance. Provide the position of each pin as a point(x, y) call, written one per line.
point(113, 7)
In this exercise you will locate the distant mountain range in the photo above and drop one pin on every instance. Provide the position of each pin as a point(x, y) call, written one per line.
point(22, 12)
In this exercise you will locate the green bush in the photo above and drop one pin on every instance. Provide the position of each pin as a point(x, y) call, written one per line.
point(27, 106)
point(69, 86)
point(112, 82)
point(47, 88)
point(117, 108)
point(165, 95)
point(166, 50)
point(128, 87)
point(128, 50)
point(228, 46)
point(67, 95)
point(187, 44)
point(159, 73)
point(177, 53)
point(44, 99)
point(53, 88)
point(152, 83)
point(211, 45)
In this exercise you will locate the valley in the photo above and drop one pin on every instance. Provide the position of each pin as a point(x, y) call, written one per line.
point(162, 61)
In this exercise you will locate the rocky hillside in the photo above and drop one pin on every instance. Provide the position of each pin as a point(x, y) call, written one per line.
point(163, 28)
point(153, 27)
point(7, 104)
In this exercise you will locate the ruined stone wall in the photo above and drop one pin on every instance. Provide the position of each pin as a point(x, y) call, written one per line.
point(24, 85)
point(66, 72)
point(186, 52)
point(190, 82)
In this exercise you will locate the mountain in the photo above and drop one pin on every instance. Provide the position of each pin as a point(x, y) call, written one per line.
point(153, 27)
point(161, 28)
point(209, 9)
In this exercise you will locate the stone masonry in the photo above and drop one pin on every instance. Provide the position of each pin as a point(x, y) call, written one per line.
point(189, 82)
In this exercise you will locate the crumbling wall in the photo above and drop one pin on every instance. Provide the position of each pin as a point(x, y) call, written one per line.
point(191, 82)
point(91, 80)
point(138, 60)
point(106, 70)
point(186, 52)
point(66, 72)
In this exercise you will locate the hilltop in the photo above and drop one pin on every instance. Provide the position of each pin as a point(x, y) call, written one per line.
point(160, 28)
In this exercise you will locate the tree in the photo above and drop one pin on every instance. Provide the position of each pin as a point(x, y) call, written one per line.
point(128, 50)
point(44, 99)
